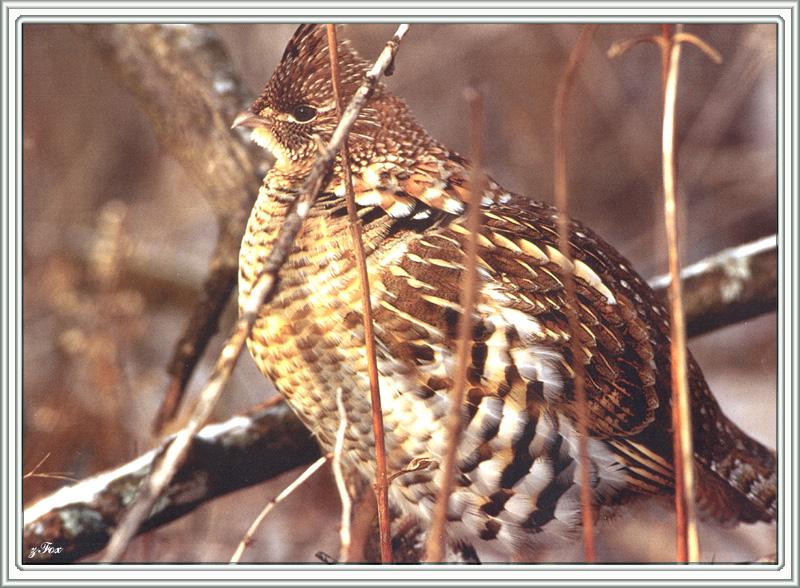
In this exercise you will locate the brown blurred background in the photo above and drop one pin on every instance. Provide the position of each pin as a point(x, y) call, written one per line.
point(96, 185)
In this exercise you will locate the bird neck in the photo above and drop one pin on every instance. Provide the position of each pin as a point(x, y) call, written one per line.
point(325, 236)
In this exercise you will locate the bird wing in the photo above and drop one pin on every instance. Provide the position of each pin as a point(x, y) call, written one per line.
point(522, 285)
point(521, 347)
point(521, 355)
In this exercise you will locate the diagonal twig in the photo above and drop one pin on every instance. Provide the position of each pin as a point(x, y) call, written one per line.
point(247, 540)
point(35, 469)
point(562, 204)
point(435, 544)
point(34, 473)
point(262, 291)
point(381, 482)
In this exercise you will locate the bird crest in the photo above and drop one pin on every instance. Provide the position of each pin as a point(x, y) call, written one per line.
point(303, 75)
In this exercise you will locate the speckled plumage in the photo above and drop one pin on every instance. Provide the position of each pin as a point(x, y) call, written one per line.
point(517, 480)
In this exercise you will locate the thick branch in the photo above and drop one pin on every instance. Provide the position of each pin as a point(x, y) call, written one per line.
point(224, 457)
point(732, 286)
point(185, 81)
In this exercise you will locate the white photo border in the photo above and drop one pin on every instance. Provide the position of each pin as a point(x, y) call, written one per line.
point(14, 14)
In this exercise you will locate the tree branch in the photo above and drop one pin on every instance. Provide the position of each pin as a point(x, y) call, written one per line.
point(228, 456)
point(734, 285)
point(188, 86)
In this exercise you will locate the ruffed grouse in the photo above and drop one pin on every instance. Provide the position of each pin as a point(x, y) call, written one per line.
point(517, 483)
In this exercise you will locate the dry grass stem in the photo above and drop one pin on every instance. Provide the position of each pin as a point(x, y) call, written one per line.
point(381, 483)
point(34, 473)
point(664, 42)
point(262, 292)
point(341, 482)
point(247, 540)
point(669, 42)
point(619, 48)
point(687, 545)
point(35, 468)
point(681, 37)
point(435, 544)
point(562, 203)
point(53, 476)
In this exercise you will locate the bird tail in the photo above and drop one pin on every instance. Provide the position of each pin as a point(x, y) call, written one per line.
point(737, 481)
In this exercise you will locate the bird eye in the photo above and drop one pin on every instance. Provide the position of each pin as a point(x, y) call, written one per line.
point(304, 113)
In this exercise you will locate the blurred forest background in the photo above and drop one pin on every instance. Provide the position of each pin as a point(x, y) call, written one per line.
point(97, 188)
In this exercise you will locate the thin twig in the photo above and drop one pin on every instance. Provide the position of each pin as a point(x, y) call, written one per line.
point(664, 42)
point(619, 48)
point(435, 544)
point(341, 484)
point(692, 39)
point(37, 466)
point(562, 203)
point(687, 546)
point(262, 291)
point(415, 465)
point(247, 540)
point(54, 476)
point(381, 482)
point(34, 473)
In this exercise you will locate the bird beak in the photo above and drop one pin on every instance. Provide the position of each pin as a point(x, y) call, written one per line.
point(249, 119)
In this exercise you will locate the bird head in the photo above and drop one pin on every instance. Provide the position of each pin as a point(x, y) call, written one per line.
point(298, 104)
